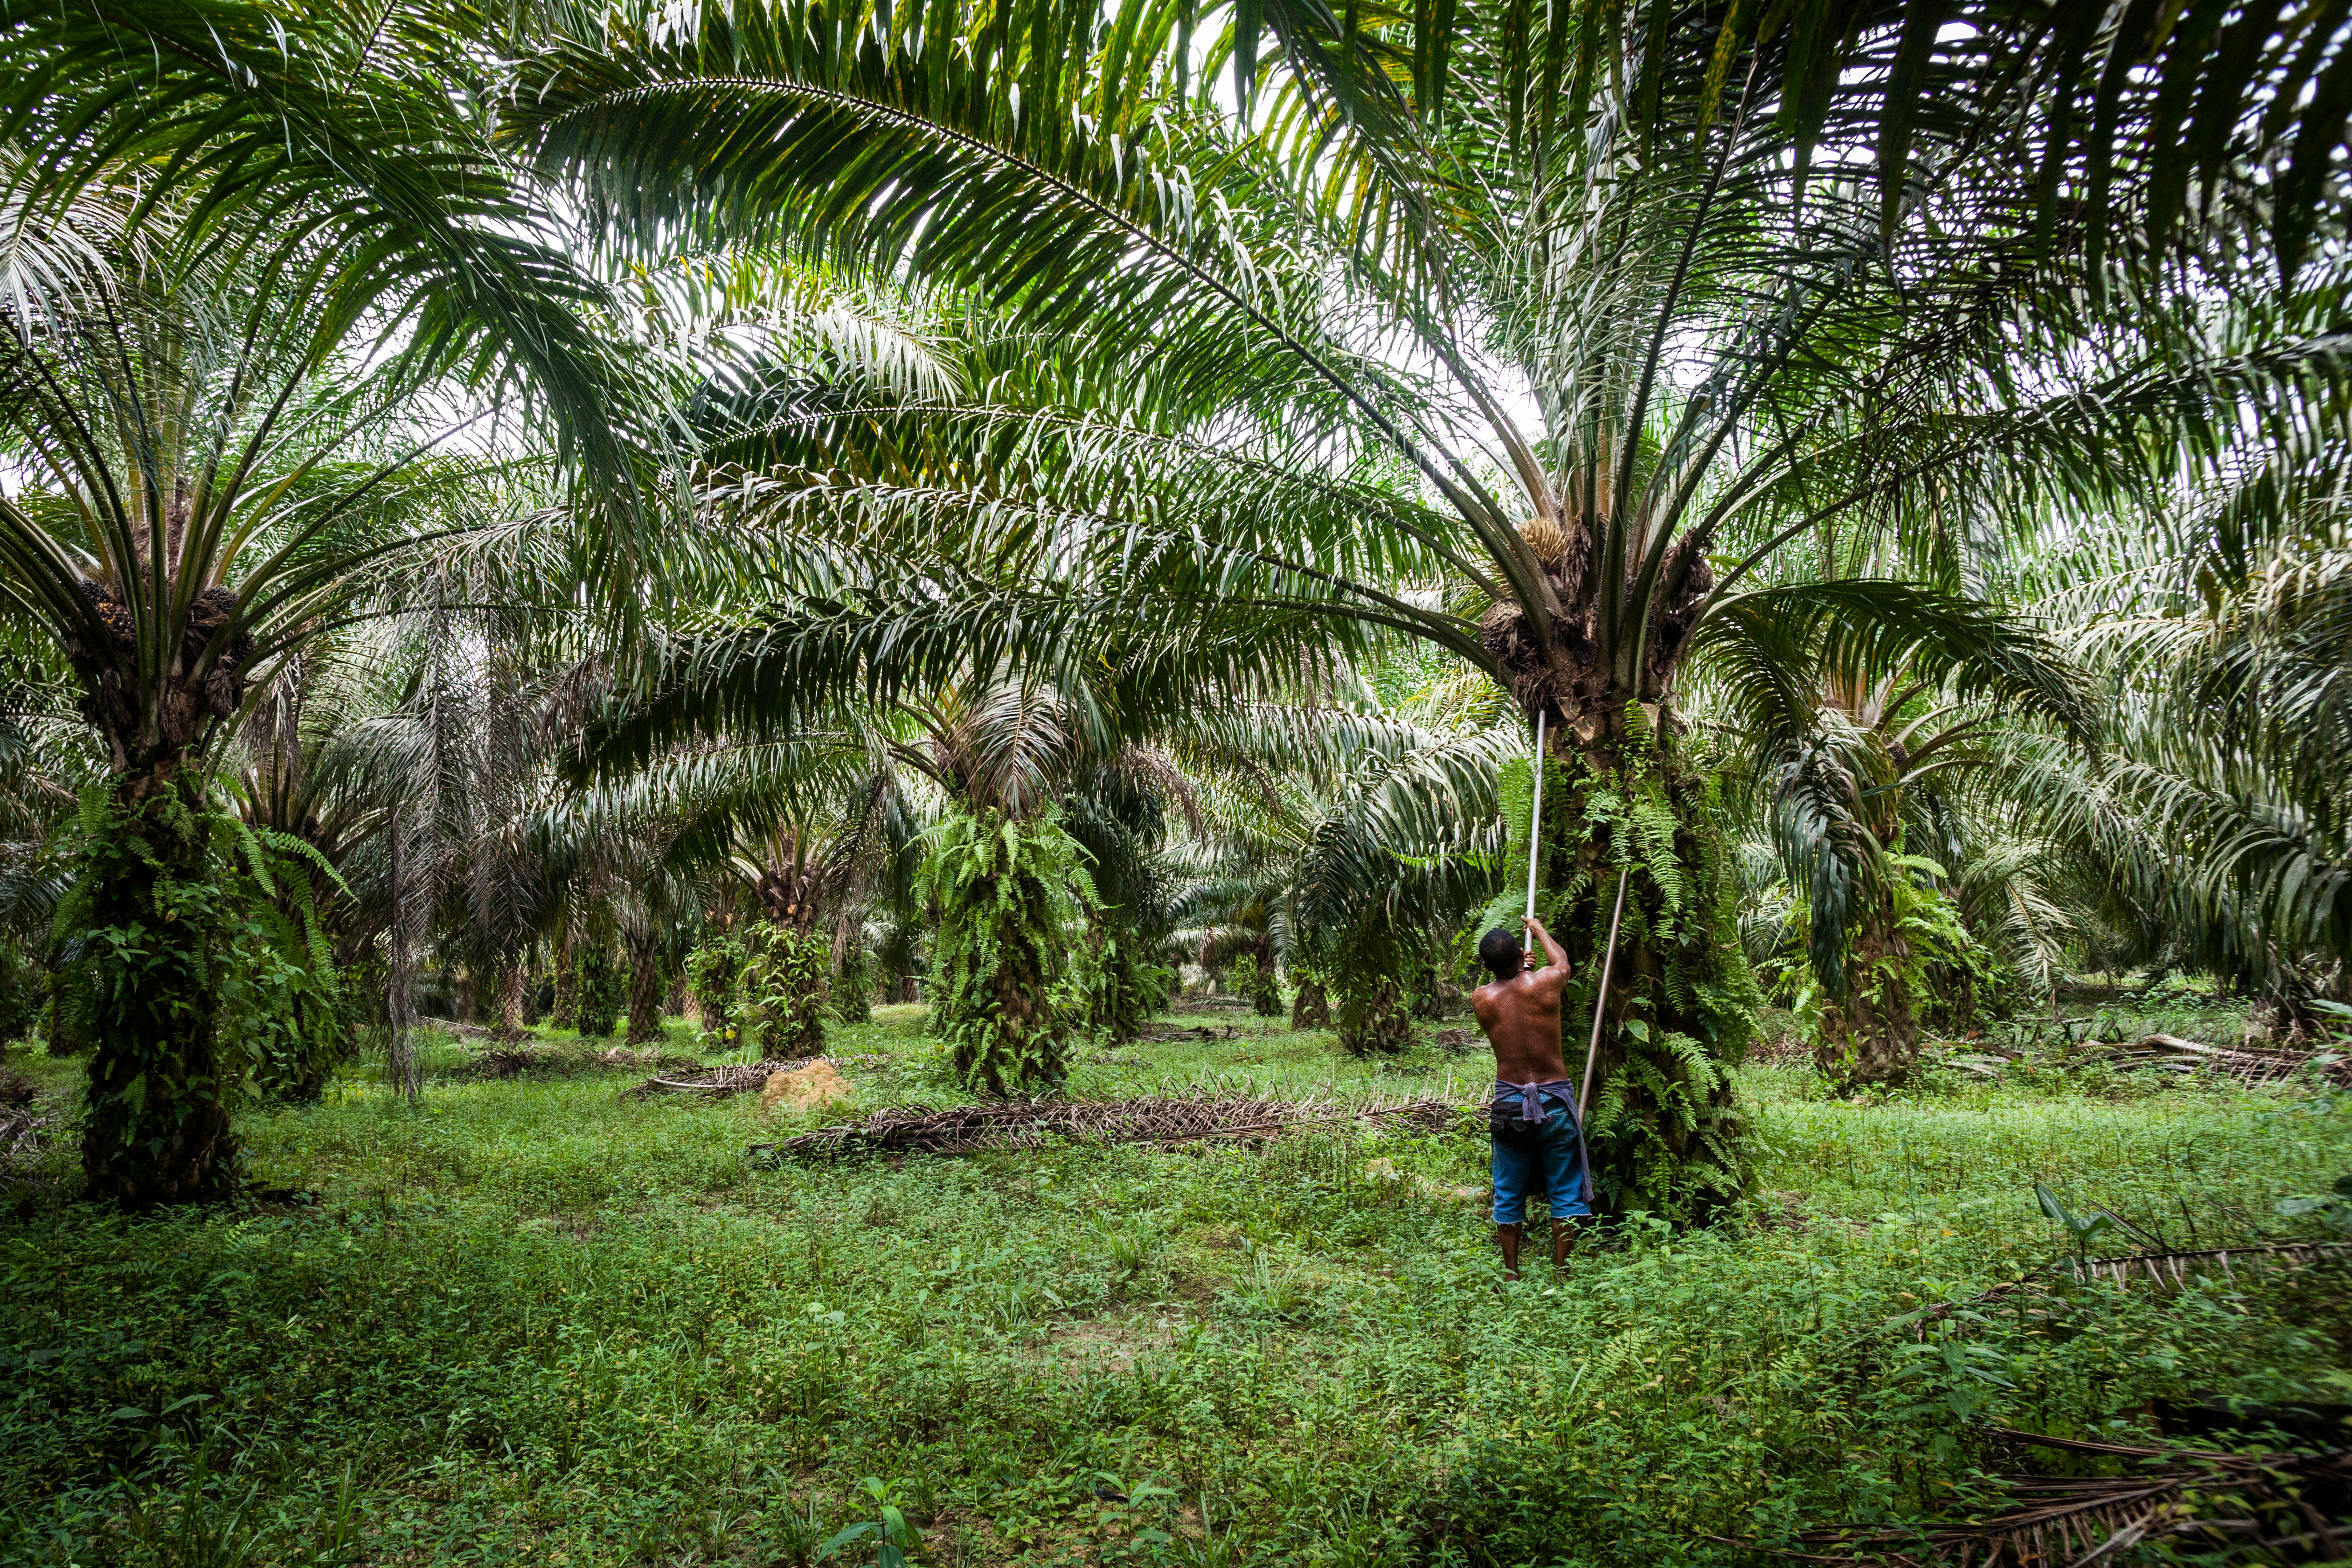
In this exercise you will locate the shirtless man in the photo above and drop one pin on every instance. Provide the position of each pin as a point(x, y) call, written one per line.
point(1538, 1147)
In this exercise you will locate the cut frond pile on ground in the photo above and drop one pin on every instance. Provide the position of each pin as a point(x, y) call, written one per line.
point(21, 1128)
point(739, 1078)
point(1151, 1118)
point(2247, 1064)
point(2268, 1507)
point(506, 1061)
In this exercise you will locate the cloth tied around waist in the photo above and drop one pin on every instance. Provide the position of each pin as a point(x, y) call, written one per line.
point(1520, 1109)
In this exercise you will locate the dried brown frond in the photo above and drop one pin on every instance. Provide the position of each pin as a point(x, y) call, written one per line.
point(2266, 1507)
point(720, 1081)
point(1027, 1123)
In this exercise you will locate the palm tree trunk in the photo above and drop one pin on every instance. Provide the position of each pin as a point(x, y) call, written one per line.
point(644, 989)
point(157, 1128)
point(1663, 1129)
point(1377, 1022)
point(566, 1012)
point(1310, 1009)
point(513, 1022)
point(1871, 1035)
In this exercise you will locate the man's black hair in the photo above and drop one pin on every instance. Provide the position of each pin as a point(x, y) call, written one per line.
point(1498, 950)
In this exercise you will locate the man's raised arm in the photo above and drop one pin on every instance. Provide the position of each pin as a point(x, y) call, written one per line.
point(1554, 955)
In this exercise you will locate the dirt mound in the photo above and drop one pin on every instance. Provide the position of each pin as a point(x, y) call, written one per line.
point(815, 1084)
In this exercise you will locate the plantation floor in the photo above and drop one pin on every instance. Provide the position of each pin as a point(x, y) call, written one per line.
point(537, 1320)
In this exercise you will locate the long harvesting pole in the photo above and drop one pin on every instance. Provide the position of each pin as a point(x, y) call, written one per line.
point(1608, 961)
point(1535, 821)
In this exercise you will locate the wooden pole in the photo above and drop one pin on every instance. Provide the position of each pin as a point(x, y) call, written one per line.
point(1608, 961)
point(1535, 824)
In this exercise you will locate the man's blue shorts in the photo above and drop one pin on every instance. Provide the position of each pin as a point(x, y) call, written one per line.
point(1545, 1161)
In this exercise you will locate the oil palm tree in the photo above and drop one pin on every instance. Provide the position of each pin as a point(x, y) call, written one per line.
point(1839, 743)
point(256, 254)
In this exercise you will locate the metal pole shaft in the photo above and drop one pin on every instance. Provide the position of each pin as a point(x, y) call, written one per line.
point(1608, 961)
point(1535, 817)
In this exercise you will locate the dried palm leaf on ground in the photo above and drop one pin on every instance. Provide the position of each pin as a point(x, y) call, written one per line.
point(2268, 1507)
point(2248, 1065)
point(1153, 1118)
point(739, 1077)
point(21, 1128)
point(505, 1061)
point(2165, 1270)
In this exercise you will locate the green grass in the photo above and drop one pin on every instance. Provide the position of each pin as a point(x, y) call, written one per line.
point(536, 1318)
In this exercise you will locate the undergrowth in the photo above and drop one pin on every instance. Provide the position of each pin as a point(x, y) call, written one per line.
point(538, 1318)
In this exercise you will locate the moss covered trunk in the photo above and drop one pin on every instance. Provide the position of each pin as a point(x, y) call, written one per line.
point(156, 1128)
point(1871, 1035)
point(1663, 1125)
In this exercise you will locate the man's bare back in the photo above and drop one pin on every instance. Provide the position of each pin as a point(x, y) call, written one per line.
point(1521, 1017)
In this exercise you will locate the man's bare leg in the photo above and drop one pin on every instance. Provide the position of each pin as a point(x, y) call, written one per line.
point(1508, 1234)
point(1564, 1237)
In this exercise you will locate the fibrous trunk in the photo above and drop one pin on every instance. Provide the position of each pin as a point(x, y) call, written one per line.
point(566, 1013)
point(644, 989)
point(1869, 1035)
point(1663, 1129)
point(513, 1021)
point(157, 1129)
point(1375, 1021)
point(1310, 1009)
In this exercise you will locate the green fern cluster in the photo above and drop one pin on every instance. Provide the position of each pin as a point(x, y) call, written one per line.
point(599, 993)
point(716, 972)
point(852, 985)
point(1122, 989)
point(1005, 995)
point(1664, 1127)
point(783, 981)
point(1246, 978)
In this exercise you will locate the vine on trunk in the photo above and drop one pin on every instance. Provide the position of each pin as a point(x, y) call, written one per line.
point(1663, 1127)
point(597, 997)
point(186, 918)
point(852, 985)
point(1123, 989)
point(785, 977)
point(716, 972)
point(1006, 890)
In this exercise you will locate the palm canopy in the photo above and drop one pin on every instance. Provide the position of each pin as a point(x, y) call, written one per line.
point(1751, 288)
point(258, 265)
